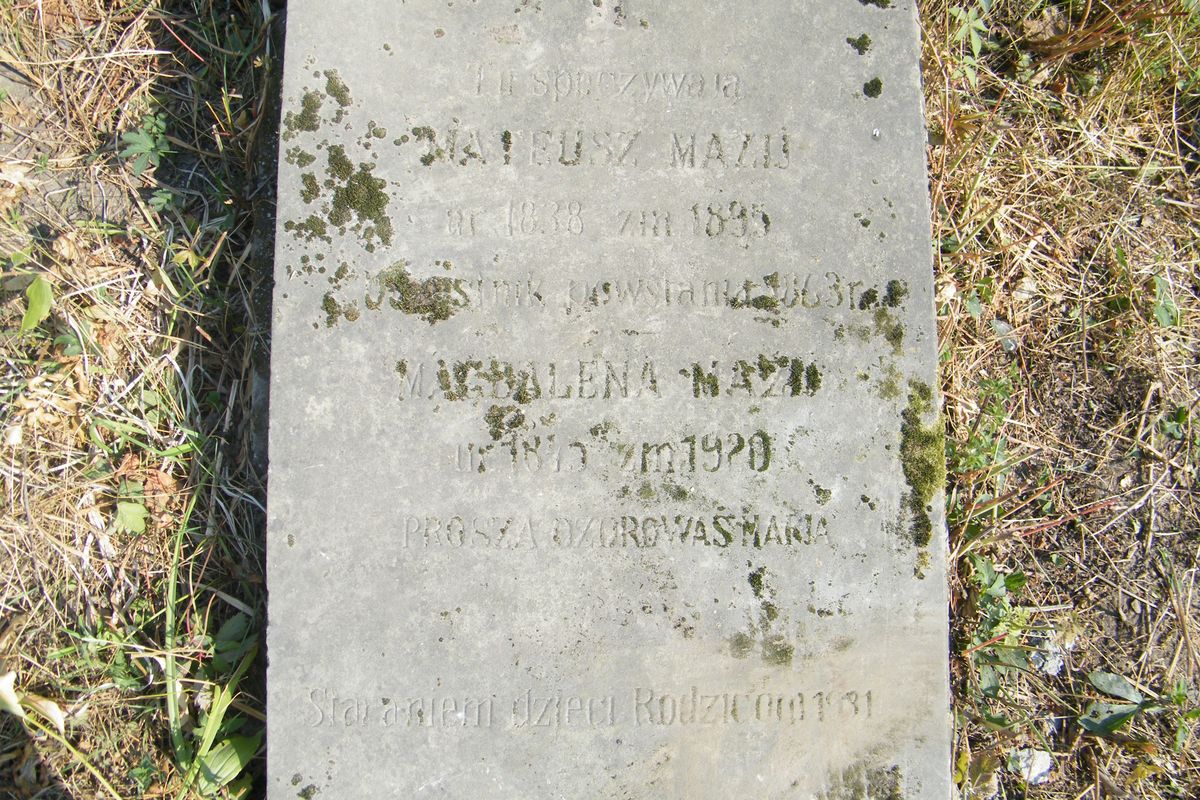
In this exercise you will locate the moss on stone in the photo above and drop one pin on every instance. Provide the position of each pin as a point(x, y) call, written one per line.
point(923, 460)
point(873, 88)
point(503, 419)
point(307, 119)
point(309, 191)
point(861, 43)
point(311, 228)
point(338, 163)
point(361, 195)
point(812, 379)
point(299, 156)
point(336, 88)
point(895, 293)
point(765, 302)
point(430, 299)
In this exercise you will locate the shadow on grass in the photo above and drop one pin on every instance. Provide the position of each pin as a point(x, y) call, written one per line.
point(220, 99)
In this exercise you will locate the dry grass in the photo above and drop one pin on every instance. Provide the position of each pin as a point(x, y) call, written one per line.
point(1066, 206)
point(1068, 213)
point(127, 462)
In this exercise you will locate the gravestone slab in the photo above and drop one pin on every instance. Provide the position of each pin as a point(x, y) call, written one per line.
point(604, 455)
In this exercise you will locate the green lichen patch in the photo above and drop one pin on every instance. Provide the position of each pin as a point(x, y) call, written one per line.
point(873, 87)
point(861, 43)
point(877, 3)
point(923, 460)
point(432, 299)
point(307, 119)
point(891, 329)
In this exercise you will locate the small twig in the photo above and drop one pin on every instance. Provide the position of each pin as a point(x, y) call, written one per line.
point(1083, 512)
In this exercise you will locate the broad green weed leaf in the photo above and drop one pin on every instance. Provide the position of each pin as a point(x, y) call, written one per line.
point(1105, 718)
point(40, 297)
point(131, 516)
point(232, 641)
point(225, 762)
point(1165, 310)
point(1115, 685)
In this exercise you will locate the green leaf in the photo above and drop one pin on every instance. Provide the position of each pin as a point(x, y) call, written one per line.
point(40, 297)
point(232, 641)
point(225, 762)
point(1115, 685)
point(131, 516)
point(974, 306)
point(1165, 310)
point(1105, 718)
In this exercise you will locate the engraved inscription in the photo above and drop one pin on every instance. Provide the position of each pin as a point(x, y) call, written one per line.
point(643, 706)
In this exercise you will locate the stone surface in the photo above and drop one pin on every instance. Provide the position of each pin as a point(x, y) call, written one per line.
point(604, 458)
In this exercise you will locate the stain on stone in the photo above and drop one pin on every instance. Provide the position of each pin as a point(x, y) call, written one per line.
point(776, 650)
point(891, 329)
point(864, 780)
point(741, 645)
point(675, 491)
